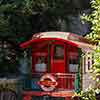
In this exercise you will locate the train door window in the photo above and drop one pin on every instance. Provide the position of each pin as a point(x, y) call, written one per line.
point(40, 65)
point(59, 52)
point(88, 61)
point(73, 62)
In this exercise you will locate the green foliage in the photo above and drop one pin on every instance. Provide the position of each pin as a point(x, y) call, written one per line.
point(94, 19)
point(4, 25)
point(96, 66)
point(31, 16)
point(88, 95)
point(22, 18)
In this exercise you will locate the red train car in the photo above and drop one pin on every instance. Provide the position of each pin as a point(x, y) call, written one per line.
point(56, 65)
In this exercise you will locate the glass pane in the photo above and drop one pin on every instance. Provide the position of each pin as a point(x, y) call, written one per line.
point(40, 65)
point(73, 61)
point(59, 52)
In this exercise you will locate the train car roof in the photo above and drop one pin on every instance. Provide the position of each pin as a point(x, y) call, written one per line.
point(68, 37)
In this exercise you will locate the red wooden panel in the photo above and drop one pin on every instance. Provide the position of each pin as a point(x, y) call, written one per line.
point(58, 66)
point(66, 94)
point(27, 97)
point(68, 98)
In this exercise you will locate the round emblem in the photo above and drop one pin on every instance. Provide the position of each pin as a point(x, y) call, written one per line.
point(48, 82)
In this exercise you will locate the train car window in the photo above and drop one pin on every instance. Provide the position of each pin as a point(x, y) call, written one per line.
point(73, 62)
point(40, 65)
point(88, 61)
point(59, 52)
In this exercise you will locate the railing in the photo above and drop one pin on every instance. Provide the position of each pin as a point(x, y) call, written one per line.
point(65, 81)
point(44, 84)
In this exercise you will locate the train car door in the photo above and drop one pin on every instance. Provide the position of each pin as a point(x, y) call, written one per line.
point(58, 58)
point(58, 63)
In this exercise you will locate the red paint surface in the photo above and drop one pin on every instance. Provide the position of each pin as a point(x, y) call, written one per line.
point(30, 42)
point(54, 94)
